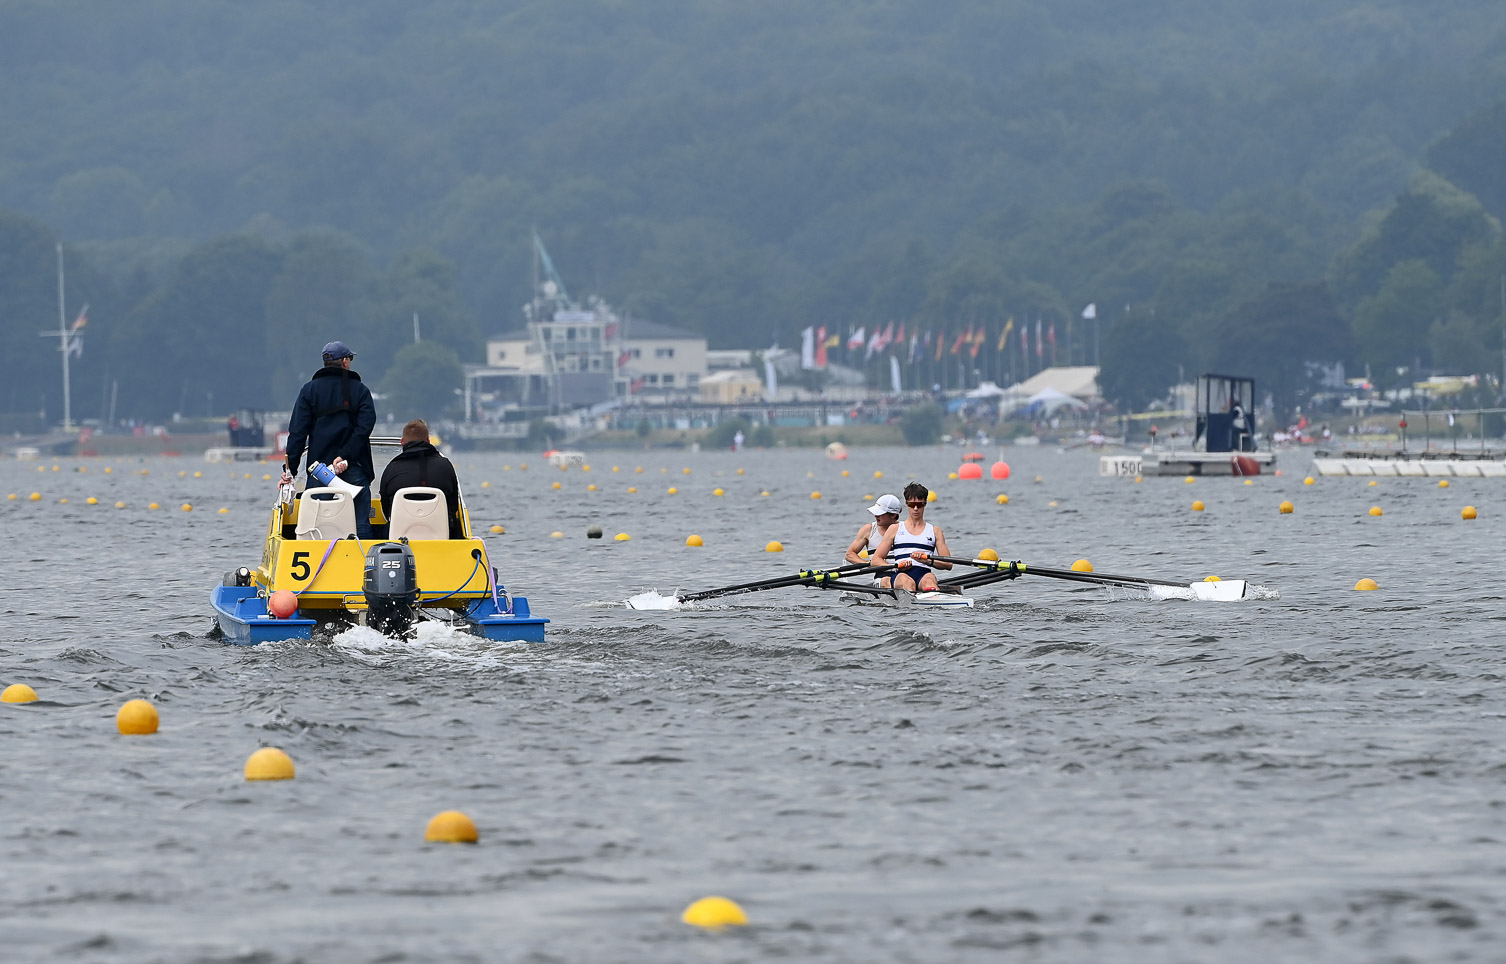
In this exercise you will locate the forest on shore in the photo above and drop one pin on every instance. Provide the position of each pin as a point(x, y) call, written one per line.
point(1267, 188)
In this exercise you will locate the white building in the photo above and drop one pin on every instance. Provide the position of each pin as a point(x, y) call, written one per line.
point(660, 360)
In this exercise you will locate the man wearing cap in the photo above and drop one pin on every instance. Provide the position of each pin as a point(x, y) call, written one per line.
point(333, 419)
point(886, 511)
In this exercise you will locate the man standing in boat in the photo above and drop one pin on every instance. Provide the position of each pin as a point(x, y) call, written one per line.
point(886, 511)
point(913, 544)
point(333, 417)
point(420, 464)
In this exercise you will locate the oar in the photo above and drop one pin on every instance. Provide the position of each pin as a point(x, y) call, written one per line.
point(803, 576)
point(1220, 591)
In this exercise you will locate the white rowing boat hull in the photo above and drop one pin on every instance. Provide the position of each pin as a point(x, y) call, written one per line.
point(927, 600)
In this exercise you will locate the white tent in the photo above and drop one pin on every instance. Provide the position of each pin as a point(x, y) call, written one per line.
point(1048, 400)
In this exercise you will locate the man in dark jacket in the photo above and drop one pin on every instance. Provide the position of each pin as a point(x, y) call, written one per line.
point(333, 418)
point(421, 464)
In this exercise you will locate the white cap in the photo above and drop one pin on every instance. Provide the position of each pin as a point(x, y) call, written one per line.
point(887, 503)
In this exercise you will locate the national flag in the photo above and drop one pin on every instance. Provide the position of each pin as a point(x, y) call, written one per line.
point(636, 386)
point(624, 358)
point(873, 341)
point(76, 345)
point(832, 340)
point(1004, 335)
point(894, 375)
point(610, 331)
point(857, 338)
point(82, 319)
point(962, 337)
point(821, 347)
point(978, 341)
point(808, 349)
point(914, 344)
point(900, 337)
point(1025, 343)
point(940, 343)
point(1040, 348)
point(1051, 337)
point(887, 338)
point(1091, 311)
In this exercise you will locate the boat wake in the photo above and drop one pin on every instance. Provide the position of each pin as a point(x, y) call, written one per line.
point(431, 640)
point(654, 600)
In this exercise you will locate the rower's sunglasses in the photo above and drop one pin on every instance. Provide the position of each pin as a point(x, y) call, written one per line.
point(916, 502)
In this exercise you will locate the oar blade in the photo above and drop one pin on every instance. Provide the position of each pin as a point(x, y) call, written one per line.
point(653, 600)
point(1228, 590)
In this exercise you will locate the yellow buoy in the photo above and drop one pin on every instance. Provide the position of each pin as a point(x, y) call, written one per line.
point(774, 547)
point(951, 475)
point(198, 475)
point(1051, 505)
point(180, 474)
point(739, 471)
point(556, 534)
point(693, 540)
point(1286, 508)
point(591, 487)
point(247, 475)
point(585, 468)
point(1309, 480)
point(878, 475)
point(136, 718)
point(614, 468)
point(1002, 499)
point(714, 913)
point(186, 507)
point(764, 492)
point(988, 555)
point(1373, 482)
point(1189, 480)
point(18, 693)
point(269, 763)
point(486, 485)
point(639, 470)
point(1197, 505)
point(931, 496)
point(717, 492)
point(556, 485)
point(62, 501)
point(1139, 479)
point(1249, 481)
point(1040, 478)
point(815, 495)
point(1366, 585)
point(12, 497)
point(120, 505)
point(224, 511)
point(154, 506)
point(632, 488)
point(673, 491)
point(91, 501)
point(452, 826)
point(1082, 565)
point(108, 470)
point(267, 477)
point(36, 497)
point(844, 473)
point(506, 468)
point(1375, 510)
point(1443, 483)
point(621, 537)
point(1468, 512)
point(523, 466)
point(498, 530)
point(686, 470)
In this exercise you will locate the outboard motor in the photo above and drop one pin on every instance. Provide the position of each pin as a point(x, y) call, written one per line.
point(391, 588)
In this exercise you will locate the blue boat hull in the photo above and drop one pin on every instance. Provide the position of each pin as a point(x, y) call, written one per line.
point(244, 620)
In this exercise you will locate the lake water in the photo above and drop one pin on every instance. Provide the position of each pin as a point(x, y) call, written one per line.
point(1060, 774)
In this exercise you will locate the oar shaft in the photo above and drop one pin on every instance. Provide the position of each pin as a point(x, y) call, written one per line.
point(779, 583)
point(1103, 578)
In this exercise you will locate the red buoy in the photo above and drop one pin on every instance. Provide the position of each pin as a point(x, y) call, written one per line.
point(1000, 470)
point(970, 470)
point(283, 604)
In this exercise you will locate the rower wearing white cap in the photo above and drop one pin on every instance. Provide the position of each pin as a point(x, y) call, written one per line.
point(886, 511)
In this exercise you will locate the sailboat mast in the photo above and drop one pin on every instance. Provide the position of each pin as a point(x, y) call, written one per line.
point(63, 346)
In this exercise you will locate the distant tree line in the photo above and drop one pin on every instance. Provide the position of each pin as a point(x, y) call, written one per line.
point(1232, 184)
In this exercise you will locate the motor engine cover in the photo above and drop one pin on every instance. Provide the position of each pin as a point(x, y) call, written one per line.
point(391, 588)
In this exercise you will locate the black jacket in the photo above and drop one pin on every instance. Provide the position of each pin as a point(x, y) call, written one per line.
point(420, 463)
point(333, 416)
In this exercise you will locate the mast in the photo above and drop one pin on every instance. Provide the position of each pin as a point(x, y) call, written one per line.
point(62, 336)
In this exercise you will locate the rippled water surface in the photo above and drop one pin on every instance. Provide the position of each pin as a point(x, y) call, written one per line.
point(1061, 774)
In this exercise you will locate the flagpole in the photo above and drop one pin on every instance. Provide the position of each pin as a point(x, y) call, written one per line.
point(63, 346)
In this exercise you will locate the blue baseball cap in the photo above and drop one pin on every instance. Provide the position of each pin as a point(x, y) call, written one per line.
point(336, 350)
